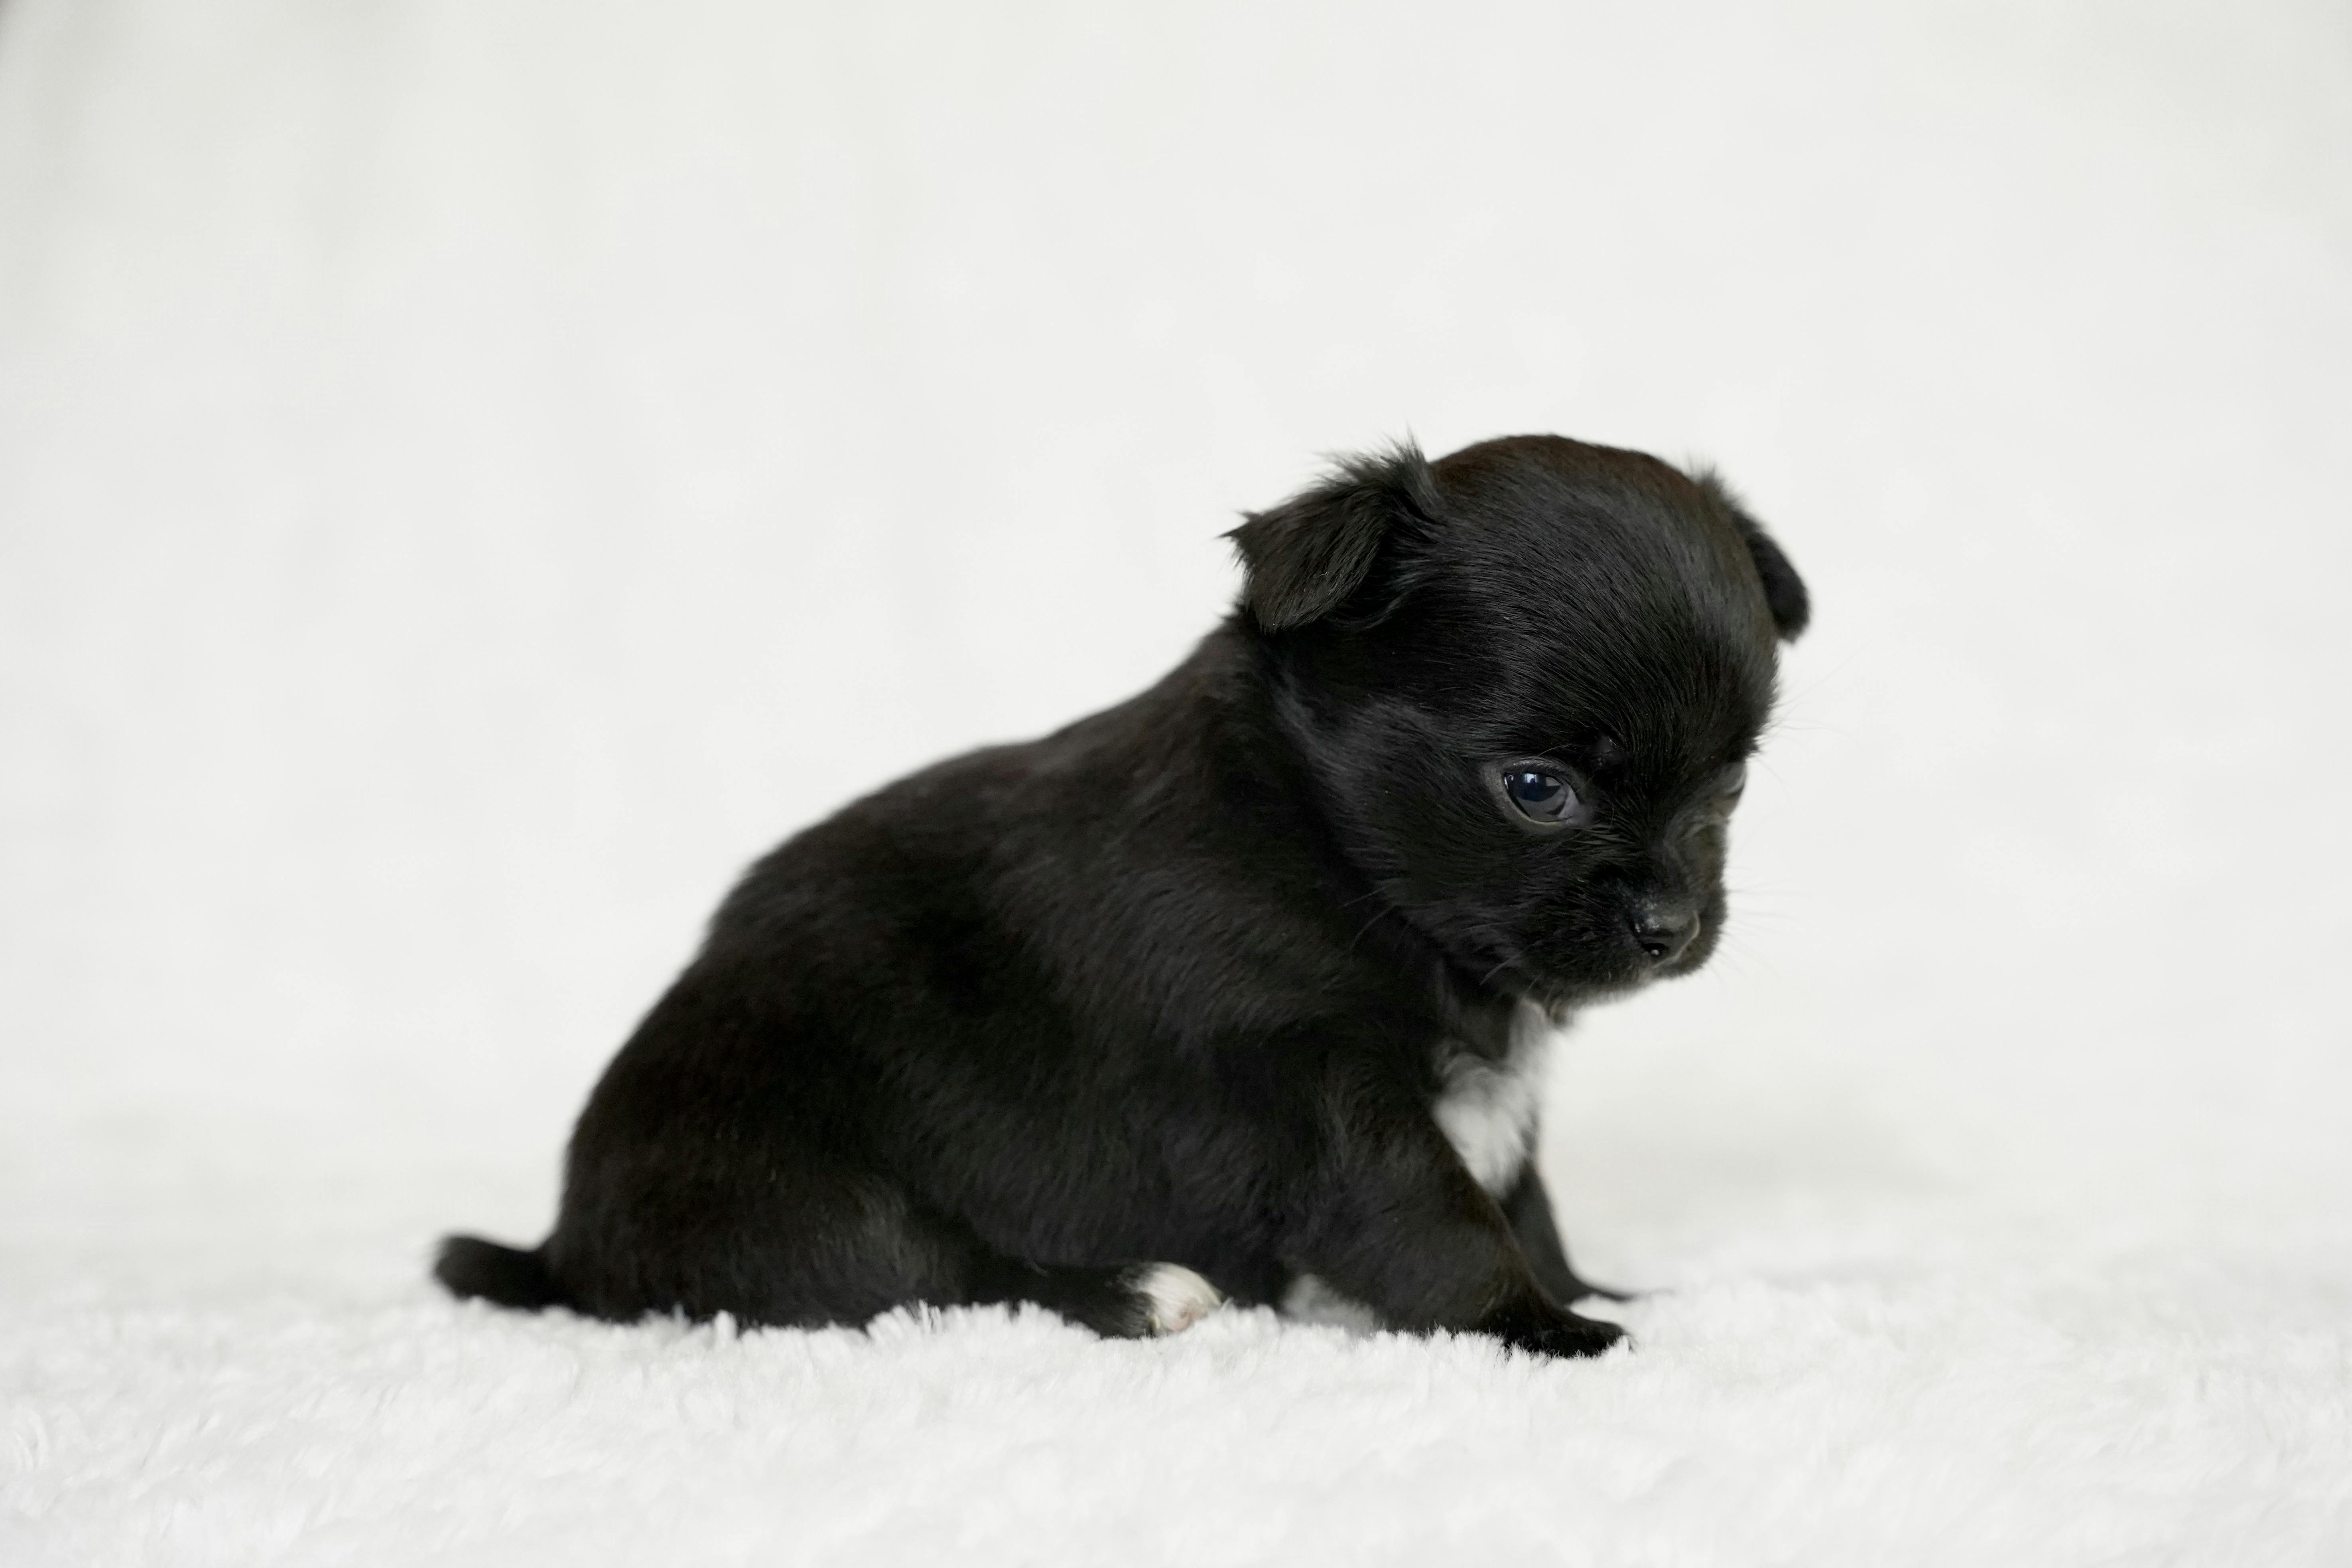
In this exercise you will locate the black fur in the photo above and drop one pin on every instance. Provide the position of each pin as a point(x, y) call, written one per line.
point(1784, 590)
point(1184, 981)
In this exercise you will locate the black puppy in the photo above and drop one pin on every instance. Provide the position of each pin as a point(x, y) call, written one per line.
point(1238, 986)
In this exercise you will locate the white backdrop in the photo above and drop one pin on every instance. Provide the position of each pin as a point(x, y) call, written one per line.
point(472, 476)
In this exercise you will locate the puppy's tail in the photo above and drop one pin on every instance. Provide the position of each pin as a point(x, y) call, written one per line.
point(473, 1269)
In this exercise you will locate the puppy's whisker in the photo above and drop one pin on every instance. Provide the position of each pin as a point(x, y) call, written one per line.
point(1365, 930)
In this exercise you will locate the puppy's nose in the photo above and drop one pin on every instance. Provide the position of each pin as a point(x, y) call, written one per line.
point(1663, 929)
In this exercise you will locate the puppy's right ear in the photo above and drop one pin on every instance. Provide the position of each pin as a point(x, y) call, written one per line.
point(1307, 556)
point(1784, 590)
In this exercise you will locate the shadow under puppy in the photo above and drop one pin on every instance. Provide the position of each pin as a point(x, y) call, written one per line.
point(1240, 985)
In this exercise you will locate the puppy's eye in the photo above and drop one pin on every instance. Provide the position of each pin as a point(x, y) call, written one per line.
point(1712, 812)
point(1544, 798)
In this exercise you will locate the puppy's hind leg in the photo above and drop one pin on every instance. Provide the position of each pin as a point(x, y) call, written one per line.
point(931, 1258)
point(844, 1250)
point(1128, 1302)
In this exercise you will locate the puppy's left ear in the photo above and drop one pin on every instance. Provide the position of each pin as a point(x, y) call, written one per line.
point(1784, 590)
point(1311, 554)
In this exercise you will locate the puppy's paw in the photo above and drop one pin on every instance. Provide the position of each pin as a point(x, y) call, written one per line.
point(1580, 1288)
point(1564, 1335)
point(1173, 1297)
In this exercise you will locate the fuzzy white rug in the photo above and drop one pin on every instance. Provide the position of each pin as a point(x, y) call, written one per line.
point(475, 472)
point(1928, 1381)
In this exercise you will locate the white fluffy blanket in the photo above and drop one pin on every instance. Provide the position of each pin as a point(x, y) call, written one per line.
point(473, 472)
point(1928, 1381)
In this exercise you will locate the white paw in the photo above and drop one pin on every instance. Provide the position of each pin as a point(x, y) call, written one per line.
point(1177, 1296)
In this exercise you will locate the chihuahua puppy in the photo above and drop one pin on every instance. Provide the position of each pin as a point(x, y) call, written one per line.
point(1238, 989)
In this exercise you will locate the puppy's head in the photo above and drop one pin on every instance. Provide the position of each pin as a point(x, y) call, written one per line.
point(1526, 680)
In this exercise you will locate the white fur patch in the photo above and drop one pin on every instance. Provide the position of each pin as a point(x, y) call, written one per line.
point(1310, 1301)
point(1487, 1110)
point(1179, 1297)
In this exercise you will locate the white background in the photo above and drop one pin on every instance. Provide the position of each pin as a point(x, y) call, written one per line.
point(472, 476)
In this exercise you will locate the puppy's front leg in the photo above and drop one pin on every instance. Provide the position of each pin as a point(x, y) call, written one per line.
point(1394, 1220)
point(1527, 1207)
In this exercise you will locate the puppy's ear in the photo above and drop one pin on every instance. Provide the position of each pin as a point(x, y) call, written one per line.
point(1784, 590)
point(1306, 557)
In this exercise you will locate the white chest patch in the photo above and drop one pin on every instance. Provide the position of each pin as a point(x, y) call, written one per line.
point(1487, 1110)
